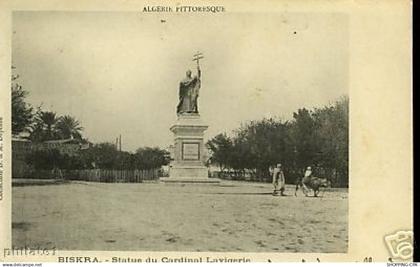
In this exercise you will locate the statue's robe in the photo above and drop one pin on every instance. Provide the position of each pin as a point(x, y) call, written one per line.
point(188, 95)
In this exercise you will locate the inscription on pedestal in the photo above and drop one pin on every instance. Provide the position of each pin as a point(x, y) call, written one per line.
point(190, 151)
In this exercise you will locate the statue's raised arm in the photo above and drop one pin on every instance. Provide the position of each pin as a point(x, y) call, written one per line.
point(189, 89)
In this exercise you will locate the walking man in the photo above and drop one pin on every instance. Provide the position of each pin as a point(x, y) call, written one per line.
point(278, 181)
point(306, 179)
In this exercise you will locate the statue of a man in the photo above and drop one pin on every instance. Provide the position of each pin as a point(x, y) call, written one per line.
point(189, 89)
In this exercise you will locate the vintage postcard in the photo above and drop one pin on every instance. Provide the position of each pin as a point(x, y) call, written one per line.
point(205, 131)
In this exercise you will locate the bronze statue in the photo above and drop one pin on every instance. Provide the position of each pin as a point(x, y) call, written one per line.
point(189, 89)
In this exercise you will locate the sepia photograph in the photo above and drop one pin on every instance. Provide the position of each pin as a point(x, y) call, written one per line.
point(206, 131)
point(155, 131)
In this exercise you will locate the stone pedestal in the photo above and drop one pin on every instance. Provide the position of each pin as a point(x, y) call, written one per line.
point(189, 152)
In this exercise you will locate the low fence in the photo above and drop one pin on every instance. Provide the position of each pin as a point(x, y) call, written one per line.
point(98, 175)
point(114, 176)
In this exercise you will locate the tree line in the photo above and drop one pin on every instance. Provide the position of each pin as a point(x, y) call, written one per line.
point(317, 138)
point(99, 156)
point(44, 126)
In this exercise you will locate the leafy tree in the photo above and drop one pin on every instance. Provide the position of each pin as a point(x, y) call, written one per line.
point(254, 147)
point(268, 144)
point(150, 158)
point(50, 159)
point(125, 161)
point(45, 159)
point(71, 162)
point(304, 138)
point(103, 156)
point(221, 148)
point(333, 136)
point(106, 156)
point(22, 113)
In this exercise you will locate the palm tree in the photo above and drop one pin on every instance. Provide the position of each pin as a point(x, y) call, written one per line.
point(69, 127)
point(49, 119)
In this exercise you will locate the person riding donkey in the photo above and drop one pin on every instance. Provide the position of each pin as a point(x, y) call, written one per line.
point(278, 181)
point(309, 182)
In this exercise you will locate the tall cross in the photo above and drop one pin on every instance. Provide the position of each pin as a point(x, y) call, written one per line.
point(197, 57)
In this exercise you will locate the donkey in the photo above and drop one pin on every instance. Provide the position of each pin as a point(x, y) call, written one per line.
point(312, 182)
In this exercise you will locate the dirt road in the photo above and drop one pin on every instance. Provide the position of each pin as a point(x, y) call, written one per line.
point(228, 217)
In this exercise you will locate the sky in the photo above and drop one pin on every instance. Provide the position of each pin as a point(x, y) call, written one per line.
point(119, 72)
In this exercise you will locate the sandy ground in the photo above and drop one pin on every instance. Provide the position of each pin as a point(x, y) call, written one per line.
point(229, 217)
